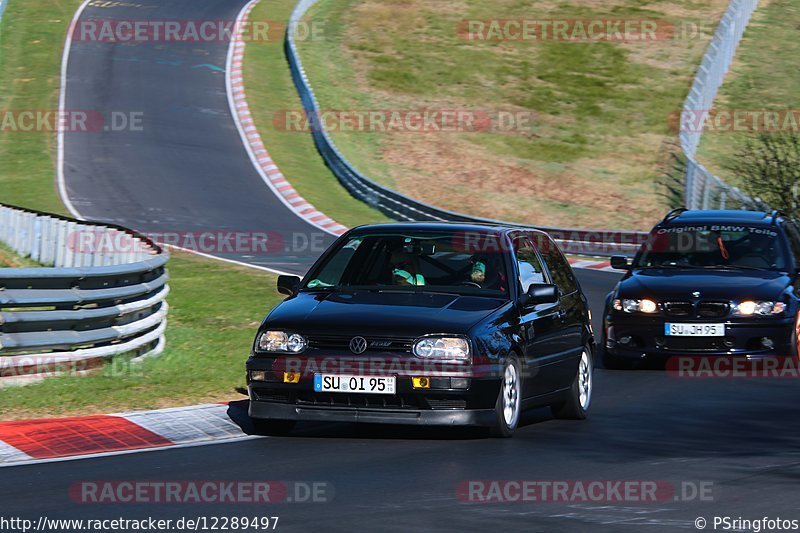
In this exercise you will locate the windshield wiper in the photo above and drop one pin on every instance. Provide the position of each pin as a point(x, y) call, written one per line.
point(739, 267)
point(662, 266)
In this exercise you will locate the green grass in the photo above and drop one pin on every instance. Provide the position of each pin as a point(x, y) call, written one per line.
point(595, 145)
point(31, 40)
point(763, 76)
point(214, 307)
point(270, 93)
point(9, 259)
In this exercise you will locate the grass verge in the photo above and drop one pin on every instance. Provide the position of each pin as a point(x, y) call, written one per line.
point(214, 307)
point(9, 259)
point(763, 77)
point(271, 93)
point(600, 111)
point(31, 41)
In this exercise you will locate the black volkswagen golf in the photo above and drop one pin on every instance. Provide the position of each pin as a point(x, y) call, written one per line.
point(716, 283)
point(432, 324)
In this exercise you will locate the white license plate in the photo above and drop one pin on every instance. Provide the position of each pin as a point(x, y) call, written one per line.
point(363, 384)
point(694, 330)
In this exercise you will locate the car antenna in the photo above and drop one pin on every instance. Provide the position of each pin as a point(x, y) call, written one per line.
point(674, 213)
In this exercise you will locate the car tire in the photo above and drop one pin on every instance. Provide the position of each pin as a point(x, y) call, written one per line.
point(612, 361)
point(508, 407)
point(272, 427)
point(795, 347)
point(580, 393)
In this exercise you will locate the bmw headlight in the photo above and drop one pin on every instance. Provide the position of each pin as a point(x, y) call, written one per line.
point(282, 342)
point(759, 308)
point(445, 349)
point(636, 306)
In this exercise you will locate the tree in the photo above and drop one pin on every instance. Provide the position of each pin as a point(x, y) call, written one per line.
point(671, 181)
point(768, 166)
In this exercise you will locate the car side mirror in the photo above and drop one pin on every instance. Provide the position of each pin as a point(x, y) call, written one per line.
point(540, 293)
point(289, 285)
point(620, 262)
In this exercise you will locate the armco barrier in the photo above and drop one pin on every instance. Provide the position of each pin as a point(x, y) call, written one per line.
point(101, 295)
point(703, 189)
point(401, 207)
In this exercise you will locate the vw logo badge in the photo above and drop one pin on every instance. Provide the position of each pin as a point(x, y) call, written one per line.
point(696, 294)
point(358, 345)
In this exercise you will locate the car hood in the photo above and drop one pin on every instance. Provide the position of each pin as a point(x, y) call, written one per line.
point(374, 313)
point(669, 284)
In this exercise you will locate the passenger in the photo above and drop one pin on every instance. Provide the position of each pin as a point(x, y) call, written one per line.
point(478, 272)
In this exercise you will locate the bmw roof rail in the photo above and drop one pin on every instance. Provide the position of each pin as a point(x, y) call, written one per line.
point(673, 214)
point(777, 213)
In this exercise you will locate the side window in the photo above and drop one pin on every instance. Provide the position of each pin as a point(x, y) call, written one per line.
point(530, 268)
point(557, 264)
point(794, 240)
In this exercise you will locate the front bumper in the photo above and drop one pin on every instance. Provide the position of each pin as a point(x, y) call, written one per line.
point(440, 405)
point(472, 417)
point(637, 337)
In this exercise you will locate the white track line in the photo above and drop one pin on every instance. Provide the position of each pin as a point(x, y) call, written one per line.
point(62, 100)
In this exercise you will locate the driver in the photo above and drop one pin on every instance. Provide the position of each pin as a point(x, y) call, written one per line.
point(404, 271)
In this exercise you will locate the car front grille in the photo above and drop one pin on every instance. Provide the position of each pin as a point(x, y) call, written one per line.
point(698, 310)
point(266, 395)
point(712, 309)
point(357, 400)
point(374, 344)
point(695, 344)
point(446, 403)
point(684, 309)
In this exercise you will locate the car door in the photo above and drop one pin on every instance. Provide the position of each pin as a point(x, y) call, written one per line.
point(571, 312)
point(539, 324)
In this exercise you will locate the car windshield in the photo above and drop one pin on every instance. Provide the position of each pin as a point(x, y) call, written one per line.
point(713, 246)
point(459, 263)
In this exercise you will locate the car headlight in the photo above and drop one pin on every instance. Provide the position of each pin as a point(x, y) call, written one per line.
point(280, 341)
point(759, 308)
point(636, 306)
point(452, 349)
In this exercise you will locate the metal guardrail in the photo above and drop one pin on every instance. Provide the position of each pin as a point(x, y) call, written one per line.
point(401, 207)
point(703, 189)
point(101, 295)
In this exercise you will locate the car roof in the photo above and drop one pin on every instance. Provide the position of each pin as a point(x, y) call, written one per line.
point(412, 227)
point(720, 216)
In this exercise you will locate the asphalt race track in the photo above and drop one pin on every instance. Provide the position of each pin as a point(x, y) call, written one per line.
point(182, 169)
point(734, 439)
point(187, 171)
